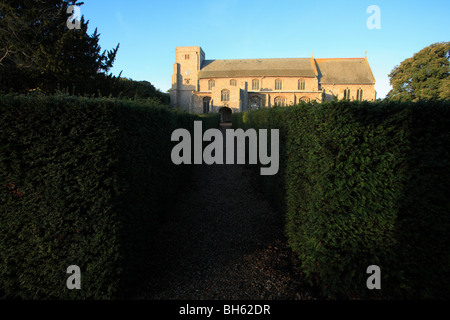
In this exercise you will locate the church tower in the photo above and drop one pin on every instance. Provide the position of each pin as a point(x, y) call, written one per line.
point(188, 61)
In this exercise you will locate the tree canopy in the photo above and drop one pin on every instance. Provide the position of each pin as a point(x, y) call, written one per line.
point(424, 76)
point(39, 52)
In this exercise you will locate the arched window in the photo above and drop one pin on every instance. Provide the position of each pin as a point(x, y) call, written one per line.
point(305, 99)
point(359, 94)
point(301, 84)
point(280, 101)
point(255, 84)
point(233, 82)
point(278, 84)
point(225, 95)
point(255, 102)
point(211, 84)
point(347, 94)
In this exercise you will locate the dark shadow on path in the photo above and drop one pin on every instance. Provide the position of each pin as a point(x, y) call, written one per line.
point(222, 241)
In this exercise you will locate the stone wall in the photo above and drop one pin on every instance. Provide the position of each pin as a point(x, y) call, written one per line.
point(265, 83)
point(332, 90)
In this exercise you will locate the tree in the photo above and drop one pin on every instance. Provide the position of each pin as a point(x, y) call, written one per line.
point(129, 88)
point(424, 76)
point(37, 49)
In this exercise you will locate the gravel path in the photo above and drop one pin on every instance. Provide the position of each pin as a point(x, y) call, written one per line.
point(223, 242)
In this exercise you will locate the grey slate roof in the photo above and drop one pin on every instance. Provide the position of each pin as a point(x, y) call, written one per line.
point(335, 70)
point(257, 67)
point(345, 70)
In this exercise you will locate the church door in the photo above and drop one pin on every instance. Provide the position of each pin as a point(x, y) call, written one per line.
point(225, 114)
point(206, 101)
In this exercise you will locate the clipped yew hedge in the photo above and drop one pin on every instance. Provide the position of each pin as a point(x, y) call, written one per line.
point(365, 184)
point(83, 182)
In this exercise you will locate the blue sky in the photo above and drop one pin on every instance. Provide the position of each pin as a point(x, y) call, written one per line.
point(149, 31)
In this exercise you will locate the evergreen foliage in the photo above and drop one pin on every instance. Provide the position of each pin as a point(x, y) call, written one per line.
point(364, 184)
point(39, 53)
point(83, 182)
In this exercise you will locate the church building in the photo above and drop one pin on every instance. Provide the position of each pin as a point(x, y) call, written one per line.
point(237, 85)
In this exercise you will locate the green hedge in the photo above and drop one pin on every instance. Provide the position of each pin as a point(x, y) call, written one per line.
point(210, 120)
point(362, 184)
point(84, 182)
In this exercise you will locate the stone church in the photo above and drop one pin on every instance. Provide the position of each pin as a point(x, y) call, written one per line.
point(237, 85)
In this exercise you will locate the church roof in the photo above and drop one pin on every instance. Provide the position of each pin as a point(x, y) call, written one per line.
point(345, 70)
point(295, 67)
point(334, 70)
